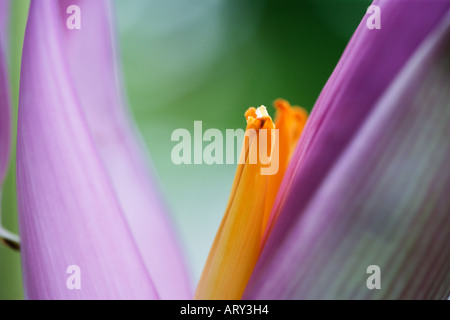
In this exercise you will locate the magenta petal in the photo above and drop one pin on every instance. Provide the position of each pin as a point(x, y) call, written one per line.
point(384, 200)
point(5, 106)
point(68, 210)
point(96, 77)
point(369, 64)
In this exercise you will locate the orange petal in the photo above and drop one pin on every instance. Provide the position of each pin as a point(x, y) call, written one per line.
point(237, 245)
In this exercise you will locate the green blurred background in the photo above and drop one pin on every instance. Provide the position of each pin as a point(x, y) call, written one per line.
point(208, 60)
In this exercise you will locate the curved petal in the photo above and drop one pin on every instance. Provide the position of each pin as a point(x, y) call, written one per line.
point(68, 210)
point(96, 76)
point(369, 64)
point(385, 201)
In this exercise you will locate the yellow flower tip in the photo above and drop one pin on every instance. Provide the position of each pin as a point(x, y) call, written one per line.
point(250, 113)
point(290, 120)
point(261, 112)
point(281, 104)
point(297, 115)
point(258, 119)
point(248, 218)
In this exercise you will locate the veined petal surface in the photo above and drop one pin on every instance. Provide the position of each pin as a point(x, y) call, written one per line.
point(69, 214)
point(384, 202)
point(96, 74)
